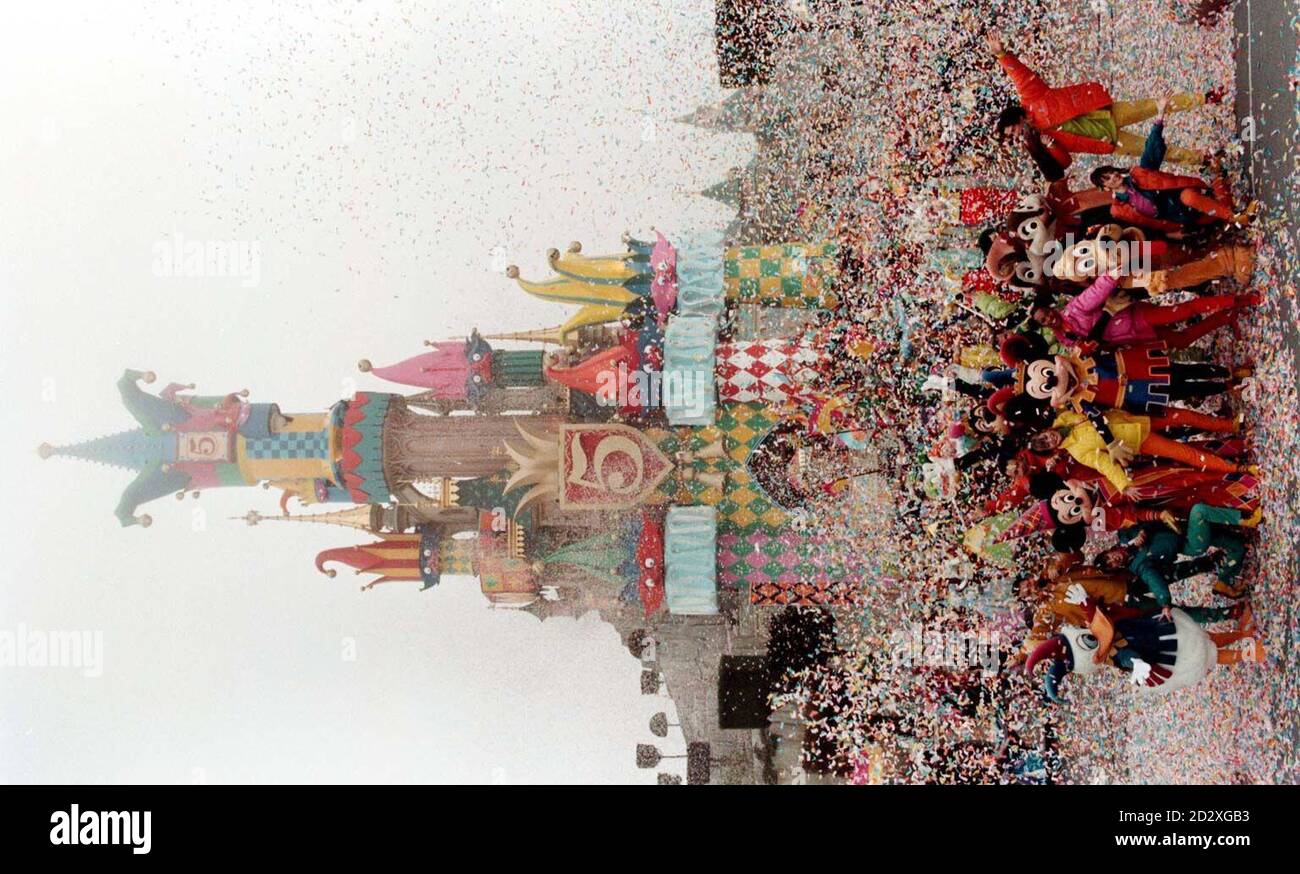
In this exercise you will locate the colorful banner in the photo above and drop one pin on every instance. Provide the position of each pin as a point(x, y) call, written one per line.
point(609, 467)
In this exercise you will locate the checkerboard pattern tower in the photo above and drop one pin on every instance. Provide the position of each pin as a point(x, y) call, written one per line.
point(782, 275)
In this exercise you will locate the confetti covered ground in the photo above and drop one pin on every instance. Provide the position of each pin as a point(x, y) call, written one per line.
point(861, 123)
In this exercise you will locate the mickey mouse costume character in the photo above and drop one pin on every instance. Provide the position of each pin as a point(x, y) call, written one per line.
point(1068, 508)
point(1139, 379)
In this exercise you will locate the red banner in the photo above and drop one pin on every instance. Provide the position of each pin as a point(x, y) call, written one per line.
point(608, 467)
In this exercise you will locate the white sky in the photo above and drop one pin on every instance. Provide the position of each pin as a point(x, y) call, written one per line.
point(389, 159)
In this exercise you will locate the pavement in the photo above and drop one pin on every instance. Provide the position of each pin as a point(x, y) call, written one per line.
point(1267, 65)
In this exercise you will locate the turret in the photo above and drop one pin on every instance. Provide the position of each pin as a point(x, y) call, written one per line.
point(411, 557)
point(564, 289)
point(188, 442)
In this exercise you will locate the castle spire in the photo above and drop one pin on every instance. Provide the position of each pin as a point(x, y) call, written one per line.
point(186, 441)
point(576, 291)
point(359, 517)
point(539, 335)
point(393, 558)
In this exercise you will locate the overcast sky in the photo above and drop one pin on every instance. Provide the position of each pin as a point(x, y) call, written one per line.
point(388, 161)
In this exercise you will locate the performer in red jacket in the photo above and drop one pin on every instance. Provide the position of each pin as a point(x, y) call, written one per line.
point(1083, 118)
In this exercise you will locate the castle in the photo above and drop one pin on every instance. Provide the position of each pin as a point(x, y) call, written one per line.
point(536, 463)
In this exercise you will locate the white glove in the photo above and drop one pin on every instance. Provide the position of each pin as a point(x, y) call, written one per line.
point(1120, 452)
point(1141, 671)
point(1076, 595)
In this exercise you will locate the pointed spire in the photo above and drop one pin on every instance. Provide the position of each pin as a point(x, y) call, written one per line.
point(411, 371)
point(725, 192)
point(735, 113)
point(541, 335)
point(353, 556)
point(592, 374)
point(351, 517)
point(572, 290)
point(131, 450)
point(394, 558)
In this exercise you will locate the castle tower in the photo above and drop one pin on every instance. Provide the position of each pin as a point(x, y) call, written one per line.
point(471, 375)
point(190, 442)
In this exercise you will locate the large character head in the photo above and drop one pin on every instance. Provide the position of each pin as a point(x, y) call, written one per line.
point(1072, 650)
point(1028, 273)
point(1106, 248)
point(986, 421)
point(1070, 506)
point(1002, 253)
point(1032, 225)
point(1048, 379)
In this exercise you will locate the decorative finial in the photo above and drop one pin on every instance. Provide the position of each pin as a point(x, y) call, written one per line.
point(552, 254)
point(512, 271)
point(364, 365)
point(45, 450)
point(149, 376)
point(144, 519)
point(575, 247)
